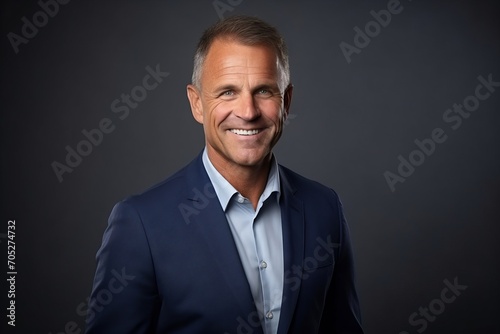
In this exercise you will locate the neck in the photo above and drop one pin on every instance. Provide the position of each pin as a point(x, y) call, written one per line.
point(249, 181)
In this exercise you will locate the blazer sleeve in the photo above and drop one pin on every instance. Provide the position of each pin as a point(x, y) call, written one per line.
point(342, 312)
point(124, 296)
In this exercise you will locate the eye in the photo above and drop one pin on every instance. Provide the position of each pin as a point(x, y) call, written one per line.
point(228, 93)
point(265, 92)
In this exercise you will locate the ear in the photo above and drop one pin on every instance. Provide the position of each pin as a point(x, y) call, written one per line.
point(195, 101)
point(287, 99)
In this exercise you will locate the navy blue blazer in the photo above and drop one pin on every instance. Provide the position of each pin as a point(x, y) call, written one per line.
point(168, 263)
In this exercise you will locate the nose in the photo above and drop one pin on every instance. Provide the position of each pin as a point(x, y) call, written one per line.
point(247, 108)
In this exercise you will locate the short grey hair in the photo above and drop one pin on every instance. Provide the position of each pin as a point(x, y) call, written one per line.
point(246, 30)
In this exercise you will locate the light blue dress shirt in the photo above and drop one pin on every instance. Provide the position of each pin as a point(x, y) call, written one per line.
point(259, 240)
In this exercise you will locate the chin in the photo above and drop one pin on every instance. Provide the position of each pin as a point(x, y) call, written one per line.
point(251, 159)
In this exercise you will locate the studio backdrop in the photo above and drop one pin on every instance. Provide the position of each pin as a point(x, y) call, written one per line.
point(395, 106)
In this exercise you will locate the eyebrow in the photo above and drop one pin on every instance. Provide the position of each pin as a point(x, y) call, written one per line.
point(225, 87)
point(269, 86)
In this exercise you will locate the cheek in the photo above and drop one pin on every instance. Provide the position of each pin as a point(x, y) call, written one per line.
point(272, 111)
point(216, 113)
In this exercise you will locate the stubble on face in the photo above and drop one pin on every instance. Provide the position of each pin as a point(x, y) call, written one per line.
point(242, 105)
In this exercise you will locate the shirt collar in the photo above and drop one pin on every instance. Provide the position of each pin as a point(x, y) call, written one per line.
point(225, 191)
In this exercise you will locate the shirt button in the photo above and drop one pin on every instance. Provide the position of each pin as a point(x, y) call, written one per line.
point(269, 315)
point(263, 264)
point(240, 199)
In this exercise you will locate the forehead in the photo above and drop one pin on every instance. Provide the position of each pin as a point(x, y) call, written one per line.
point(229, 57)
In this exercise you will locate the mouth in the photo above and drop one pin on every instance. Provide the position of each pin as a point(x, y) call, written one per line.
point(243, 132)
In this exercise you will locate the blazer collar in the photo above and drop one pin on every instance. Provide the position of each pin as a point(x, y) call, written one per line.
point(292, 220)
point(211, 225)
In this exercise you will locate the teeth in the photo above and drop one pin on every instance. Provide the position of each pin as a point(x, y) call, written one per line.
point(244, 132)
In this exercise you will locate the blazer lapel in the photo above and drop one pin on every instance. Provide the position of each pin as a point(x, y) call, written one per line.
point(292, 217)
point(211, 227)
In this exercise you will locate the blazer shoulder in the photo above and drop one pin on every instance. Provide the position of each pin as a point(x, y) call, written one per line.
point(303, 185)
point(169, 190)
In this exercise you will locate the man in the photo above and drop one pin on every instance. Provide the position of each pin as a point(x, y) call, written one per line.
point(233, 242)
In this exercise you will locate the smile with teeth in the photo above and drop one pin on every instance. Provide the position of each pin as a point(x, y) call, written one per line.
point(242, 132)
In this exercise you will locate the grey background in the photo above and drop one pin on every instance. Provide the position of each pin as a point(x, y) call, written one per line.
point(349, 124)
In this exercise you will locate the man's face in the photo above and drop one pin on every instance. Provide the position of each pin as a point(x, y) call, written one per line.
point(240, 103)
